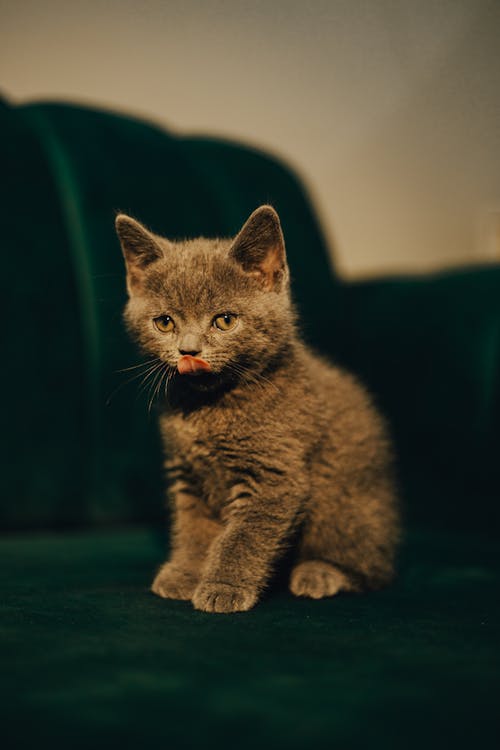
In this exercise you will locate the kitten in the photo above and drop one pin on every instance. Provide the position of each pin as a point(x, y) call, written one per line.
point(266, 442)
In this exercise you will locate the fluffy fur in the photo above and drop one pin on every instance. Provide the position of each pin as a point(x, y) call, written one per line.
point(273, 445)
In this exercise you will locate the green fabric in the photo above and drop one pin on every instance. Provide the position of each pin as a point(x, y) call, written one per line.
point(89, 164)
point(91, 659)
point(46, 447)
point(427, 346)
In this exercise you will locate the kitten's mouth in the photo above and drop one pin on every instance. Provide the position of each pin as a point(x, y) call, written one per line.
point(188, 365)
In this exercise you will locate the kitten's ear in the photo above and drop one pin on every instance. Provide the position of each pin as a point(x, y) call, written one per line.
point(139, 247)
point(259, 247)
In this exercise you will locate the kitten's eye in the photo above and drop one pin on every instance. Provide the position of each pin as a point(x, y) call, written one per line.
point(164, 323)
point(226, 321)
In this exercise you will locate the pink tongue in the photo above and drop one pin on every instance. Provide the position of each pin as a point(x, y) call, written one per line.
point(188, 365)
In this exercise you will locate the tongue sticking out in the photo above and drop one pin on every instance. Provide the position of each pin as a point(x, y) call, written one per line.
point(188, 365)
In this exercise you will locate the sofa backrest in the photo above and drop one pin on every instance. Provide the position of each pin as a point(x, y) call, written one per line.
point(80, 448)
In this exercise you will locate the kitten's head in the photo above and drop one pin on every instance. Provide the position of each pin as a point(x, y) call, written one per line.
point(211, 310)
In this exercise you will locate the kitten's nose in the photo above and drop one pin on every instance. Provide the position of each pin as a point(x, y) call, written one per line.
point(190, 344)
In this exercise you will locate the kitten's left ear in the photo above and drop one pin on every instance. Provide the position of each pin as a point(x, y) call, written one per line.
point(140, 249)
point(259, 247)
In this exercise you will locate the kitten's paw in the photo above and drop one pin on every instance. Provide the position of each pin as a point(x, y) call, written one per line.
point(316, 579)
point(221, 597)
point(174, 583)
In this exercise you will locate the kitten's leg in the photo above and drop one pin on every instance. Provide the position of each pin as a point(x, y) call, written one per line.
point(348, 540)
point(317, 579)
point(192, 533)
point(240, 559)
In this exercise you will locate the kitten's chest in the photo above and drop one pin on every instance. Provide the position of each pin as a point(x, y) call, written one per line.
point(212, 452)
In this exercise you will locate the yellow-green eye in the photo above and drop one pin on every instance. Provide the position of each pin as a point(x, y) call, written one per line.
point(226, 321)
point(164, 323)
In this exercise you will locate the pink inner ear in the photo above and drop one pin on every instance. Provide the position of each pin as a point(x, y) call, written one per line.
point(271, 265)
point(273, 261)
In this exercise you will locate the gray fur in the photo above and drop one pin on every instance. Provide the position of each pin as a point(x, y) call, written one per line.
point(274, 445)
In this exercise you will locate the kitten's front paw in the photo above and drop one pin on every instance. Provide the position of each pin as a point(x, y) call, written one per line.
point(316, 579)
point(174, 583)
point(221, 597)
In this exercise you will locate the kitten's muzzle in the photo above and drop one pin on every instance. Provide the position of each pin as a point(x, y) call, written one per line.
point(190, 343)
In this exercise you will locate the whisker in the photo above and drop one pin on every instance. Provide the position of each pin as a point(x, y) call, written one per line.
point(149, 374)
point(164, 383)
point(251, 376)
point(157, 385)
point(126, 382)
point(158, 377)
point(149, 380)
point(154, 390)
point(246, 378)
point(168, 380)
point(141, 364)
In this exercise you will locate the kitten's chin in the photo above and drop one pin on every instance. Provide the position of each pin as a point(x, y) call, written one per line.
point(202, 381)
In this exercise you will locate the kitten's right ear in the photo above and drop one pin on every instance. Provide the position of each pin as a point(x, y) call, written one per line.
point(259, 248)
point(139, 247)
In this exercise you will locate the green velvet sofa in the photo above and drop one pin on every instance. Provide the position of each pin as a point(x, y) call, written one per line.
point(88, 657)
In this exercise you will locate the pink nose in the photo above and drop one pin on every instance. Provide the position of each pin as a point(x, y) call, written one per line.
point(188, 365)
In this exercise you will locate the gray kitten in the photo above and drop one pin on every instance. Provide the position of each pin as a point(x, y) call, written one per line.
point(266, 442)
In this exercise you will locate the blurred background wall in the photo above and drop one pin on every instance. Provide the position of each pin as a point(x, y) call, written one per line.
point(389, 109)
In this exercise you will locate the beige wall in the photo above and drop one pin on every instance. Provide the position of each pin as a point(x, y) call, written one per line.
point(390, 110)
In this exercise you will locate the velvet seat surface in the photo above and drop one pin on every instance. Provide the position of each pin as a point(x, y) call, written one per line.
point(89, 657)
